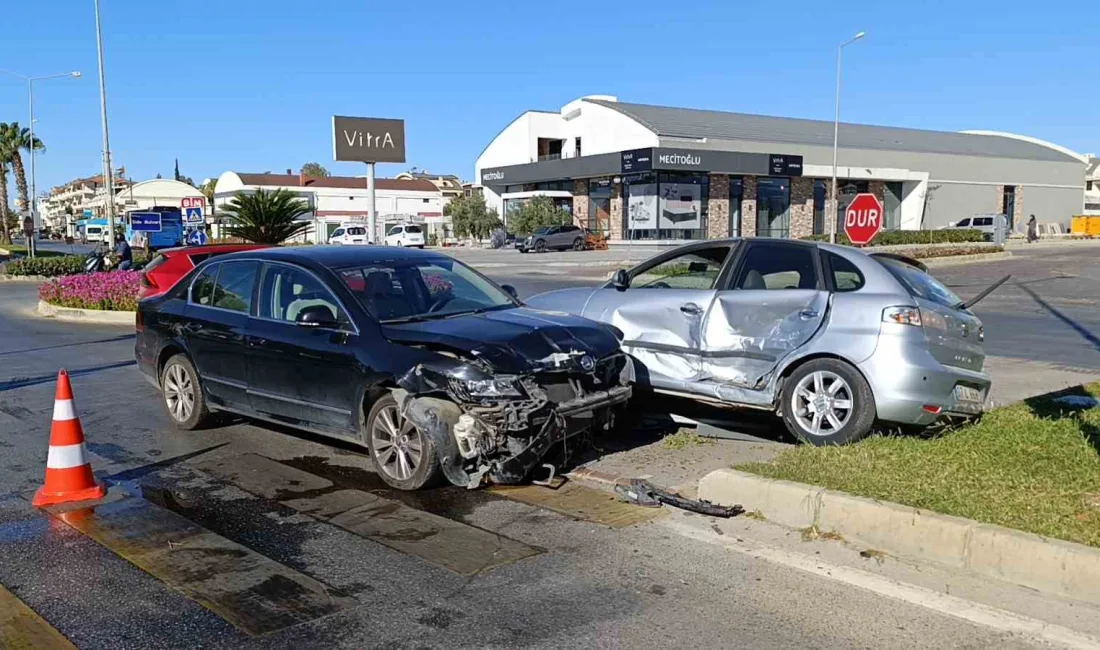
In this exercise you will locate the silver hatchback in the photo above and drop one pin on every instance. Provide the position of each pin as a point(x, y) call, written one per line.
point(828, 337)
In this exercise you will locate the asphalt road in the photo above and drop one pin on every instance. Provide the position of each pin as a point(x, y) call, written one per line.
point(585, 583)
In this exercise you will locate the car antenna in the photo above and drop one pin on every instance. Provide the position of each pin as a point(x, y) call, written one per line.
point(973, 301)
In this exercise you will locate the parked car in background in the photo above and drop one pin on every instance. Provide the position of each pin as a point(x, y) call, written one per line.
point(348, 235)
point(984, 223)
point(170, 264)
point(408, 234)
point(564, 237)
point(431, 366)
point(828, 337)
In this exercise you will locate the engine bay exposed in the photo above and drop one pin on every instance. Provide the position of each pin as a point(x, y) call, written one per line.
point(487, 426)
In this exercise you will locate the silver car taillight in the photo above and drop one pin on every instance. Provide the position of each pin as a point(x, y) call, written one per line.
point(902, 316)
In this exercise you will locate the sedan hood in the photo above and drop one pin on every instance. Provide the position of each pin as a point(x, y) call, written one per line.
point(512, 340)
point(572, 301)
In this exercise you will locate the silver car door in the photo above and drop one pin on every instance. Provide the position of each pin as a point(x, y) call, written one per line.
point(775, 302)
point(661, 313)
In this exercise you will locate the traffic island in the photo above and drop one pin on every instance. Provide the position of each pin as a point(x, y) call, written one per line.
point(1014, 497)
point(86, 315)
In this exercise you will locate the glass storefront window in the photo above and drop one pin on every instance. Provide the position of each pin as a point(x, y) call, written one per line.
point(599, 205)
point(737, 190)
point(640, 206)
point(892, 206)
point(846, 191)
point(773, 206)
point(820, 195)
point(665, 206)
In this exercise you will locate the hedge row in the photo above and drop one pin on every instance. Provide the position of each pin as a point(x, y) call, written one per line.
point(920, 253)
point(53, 267)
point(903, 237)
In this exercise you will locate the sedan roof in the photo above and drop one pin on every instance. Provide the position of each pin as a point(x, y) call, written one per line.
point(341, 256)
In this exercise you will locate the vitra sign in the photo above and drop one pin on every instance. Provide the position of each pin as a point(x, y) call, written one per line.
point(368, 139)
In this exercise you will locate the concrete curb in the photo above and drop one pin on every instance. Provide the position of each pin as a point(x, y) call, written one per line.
point(86, 315)
point(955, 260)
point(1047, 565)
point(4, 277)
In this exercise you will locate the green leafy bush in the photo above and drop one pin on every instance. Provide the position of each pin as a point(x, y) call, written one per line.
point(53, 267)
point(903, 237)
point(921, 253)
point(50, 267)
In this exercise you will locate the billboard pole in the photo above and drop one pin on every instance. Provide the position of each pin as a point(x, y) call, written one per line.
point(371, 212)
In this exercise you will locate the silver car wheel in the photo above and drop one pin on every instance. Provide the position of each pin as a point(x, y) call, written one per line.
point(822, 403)
point(179, 393)
point(398, 446)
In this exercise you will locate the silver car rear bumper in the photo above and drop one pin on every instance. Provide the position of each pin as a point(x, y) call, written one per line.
point(909, 384)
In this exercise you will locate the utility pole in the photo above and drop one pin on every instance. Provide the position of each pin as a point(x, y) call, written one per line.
point(371, 205)
point(107, 176)
point(833, 202)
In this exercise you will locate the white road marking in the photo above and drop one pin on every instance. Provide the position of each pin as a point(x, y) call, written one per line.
point(936, 601)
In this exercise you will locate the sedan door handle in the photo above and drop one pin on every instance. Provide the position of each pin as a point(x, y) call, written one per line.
point(807, 314)
point(691, 309)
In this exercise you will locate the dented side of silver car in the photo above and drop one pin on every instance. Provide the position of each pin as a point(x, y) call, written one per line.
point(828, 337)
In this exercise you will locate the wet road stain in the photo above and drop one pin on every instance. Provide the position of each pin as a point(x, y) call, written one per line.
point(580, 502)
point(247, 589)
point(450, 502)
point(440, 541)
point(23, 629)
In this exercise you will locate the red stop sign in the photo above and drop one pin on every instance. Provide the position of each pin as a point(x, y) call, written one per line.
point(863, 218)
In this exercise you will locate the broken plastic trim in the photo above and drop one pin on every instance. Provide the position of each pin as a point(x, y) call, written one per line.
point(435, 418)
point(643, 493)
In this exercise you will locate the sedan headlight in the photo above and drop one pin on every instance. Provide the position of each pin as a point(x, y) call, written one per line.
point(504, 386)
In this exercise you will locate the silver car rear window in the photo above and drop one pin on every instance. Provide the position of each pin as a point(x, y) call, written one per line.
point(920, 284)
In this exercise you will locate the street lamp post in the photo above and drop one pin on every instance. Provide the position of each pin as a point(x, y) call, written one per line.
point(30, 102)
point(108, 181)
point(836, 133)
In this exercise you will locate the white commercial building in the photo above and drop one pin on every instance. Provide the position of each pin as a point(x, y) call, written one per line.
point(87, 197)
point(338, 199)
point(645, 172)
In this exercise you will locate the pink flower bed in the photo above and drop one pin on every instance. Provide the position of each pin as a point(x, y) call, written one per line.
point(114, 291)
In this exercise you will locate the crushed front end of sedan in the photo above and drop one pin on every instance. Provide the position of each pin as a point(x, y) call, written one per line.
point(491, 426)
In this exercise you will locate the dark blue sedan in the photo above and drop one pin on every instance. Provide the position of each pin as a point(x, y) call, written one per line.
point(434, 368)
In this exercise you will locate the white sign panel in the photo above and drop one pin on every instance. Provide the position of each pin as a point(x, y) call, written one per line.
point(681, 206)
point(641, 206)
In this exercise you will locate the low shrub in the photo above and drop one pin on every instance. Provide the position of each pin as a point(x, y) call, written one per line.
point(50, 267)
point(112, 291)
point(53, 267)
point(902, 237)
point(920, 253)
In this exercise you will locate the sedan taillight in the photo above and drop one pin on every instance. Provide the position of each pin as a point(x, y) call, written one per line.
point(902, 316)
point(147, 281)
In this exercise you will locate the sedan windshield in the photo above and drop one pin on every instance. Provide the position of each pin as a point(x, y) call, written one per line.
point(919, 283)
point(422, 289)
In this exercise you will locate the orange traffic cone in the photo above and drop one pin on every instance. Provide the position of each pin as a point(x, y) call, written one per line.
point(68, 472)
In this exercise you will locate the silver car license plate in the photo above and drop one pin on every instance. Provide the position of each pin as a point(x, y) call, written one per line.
point(968, 394)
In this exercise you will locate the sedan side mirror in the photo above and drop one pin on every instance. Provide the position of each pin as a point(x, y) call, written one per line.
point(510, 290)
point(316, 317)
point(620, 280)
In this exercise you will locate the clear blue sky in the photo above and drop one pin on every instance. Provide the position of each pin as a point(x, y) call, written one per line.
point(250, 85)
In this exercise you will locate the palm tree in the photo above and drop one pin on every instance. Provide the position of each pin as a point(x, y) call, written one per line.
point(5, 216)
point(19, 138)
point(265, 217)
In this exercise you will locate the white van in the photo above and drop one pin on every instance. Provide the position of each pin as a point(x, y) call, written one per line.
point(405, 235)
point(95, 233)
point(349, 235)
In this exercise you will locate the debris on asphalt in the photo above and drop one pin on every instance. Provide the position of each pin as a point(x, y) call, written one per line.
point(873, 554)
point(643, 493)
point(813, 533)
point(1078, 401)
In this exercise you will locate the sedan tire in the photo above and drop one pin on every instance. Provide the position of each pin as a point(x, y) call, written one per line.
point(540, 246)
point(827, 402)
point(182, 394)
point(403, 456)
point(578, 244)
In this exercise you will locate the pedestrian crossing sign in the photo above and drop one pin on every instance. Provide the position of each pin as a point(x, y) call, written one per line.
point(192, 215)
